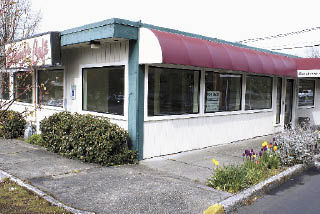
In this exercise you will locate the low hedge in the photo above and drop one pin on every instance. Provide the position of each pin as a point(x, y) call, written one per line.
point(12, 124)
point(88, 138)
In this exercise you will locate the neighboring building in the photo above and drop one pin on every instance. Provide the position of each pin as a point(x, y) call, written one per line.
point(173, 91)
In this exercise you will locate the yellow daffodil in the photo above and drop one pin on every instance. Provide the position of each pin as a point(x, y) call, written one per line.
point(254, 156)
point(265, 143)
point(275, 148)
point(215, 162)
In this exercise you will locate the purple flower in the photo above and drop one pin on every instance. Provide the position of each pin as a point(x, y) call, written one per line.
point(251, 150)
point(265, 148)
point(260, 153)
point(246, 152)
point(273, 139)
point(243, 154)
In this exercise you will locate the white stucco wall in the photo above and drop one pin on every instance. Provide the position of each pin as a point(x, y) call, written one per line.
point(171, 136)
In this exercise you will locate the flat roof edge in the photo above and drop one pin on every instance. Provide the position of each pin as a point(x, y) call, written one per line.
point(101, 24)
point(33, 36)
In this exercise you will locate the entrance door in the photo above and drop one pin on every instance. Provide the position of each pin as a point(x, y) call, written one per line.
point(289, 103)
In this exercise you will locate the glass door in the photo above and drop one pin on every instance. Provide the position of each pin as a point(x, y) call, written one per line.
point(289, 103)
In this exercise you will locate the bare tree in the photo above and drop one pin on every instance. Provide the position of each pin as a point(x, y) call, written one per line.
point(313, 52)
point(17, 20)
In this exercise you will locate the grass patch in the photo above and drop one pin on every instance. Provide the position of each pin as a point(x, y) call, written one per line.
point(16, 199)
point(256, 168)
point(235, 178)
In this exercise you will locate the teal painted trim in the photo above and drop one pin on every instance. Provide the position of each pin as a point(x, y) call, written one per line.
point(136, 99)
point(126, 32)
point(88, 35)
point(101, 24)
point(102, 32)
point(214, 40)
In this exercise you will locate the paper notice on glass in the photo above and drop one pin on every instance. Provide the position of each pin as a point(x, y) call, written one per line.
point(213, 99)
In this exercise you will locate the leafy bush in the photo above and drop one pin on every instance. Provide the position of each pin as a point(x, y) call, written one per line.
point(35, 139)
point(12, 124)
point(88, 138)
point(297, 146)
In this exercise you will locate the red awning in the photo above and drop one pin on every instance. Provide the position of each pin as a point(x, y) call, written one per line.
point(308, 63)
point(183, 50)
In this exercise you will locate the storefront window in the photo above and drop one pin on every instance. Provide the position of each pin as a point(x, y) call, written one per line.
point(258, 92)
point(103, 90)
point(4, 86)
point(173, 91)
point(306, 92)
point(23, 86)
point(50, 85)
point(223, 92)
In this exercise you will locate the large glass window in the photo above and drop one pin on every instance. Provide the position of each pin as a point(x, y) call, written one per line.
point(23, 86)
point(50, 88)
point(223, 92)
point(306, 92)
point(103, 89)
point(5, 85)
point(173, 91)
point(258, 92)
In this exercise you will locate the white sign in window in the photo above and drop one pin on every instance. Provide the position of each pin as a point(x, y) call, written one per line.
point(213, 100)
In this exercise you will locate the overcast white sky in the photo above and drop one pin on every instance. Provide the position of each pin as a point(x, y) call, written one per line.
point(231, 20)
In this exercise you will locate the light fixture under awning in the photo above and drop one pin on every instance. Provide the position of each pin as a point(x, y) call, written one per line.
point(170, 48)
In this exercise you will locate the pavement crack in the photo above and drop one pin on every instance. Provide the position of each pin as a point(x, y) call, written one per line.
point(18, 152)
point(191, 164)
point(74, 171)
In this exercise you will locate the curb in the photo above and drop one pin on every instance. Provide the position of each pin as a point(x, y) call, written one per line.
point(42, 194)
point(239, 199)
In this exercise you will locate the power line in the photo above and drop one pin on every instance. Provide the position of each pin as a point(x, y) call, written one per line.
point(296, 47)
point(290, 45)
point(279, 35)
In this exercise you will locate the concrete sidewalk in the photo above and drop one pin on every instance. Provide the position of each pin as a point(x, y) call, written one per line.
point(168, 184)
point(197, 166)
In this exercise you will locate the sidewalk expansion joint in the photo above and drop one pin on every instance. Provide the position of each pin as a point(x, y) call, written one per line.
point(74, 171)
point(18, 152)
point(191, 164)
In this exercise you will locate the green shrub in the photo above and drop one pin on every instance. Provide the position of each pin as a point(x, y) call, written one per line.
point(12, 124)
point(35, 139)
point(88, 138)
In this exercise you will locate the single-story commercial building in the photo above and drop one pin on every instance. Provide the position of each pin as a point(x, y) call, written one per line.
point(173, 91)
